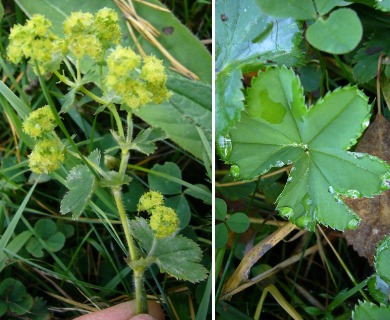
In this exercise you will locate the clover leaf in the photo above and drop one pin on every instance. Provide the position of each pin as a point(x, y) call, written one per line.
point(277, 129)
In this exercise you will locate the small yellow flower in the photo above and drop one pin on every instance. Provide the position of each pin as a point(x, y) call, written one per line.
point(39, 121)
point(106, 27)
point(164, 221)
point(46, 157)
point(150, 200)
point(36, 42)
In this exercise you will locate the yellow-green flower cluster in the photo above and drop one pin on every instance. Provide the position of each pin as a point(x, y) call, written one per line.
point(136, 82)
point(88, 34)
point(48, 153)
point(150, 200)
point(85, 34)
point(46, 157)
point(39, 121)
point(163, 220)
point(36, 42)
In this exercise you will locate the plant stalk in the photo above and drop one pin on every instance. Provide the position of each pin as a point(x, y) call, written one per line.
point(140, 293)
point(125, 223)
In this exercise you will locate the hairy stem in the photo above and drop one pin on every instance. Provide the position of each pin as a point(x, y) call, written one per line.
point(125, 224)
point(140, 293)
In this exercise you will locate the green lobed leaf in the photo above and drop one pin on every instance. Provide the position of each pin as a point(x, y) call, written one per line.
point(238, 222)
point(379, 289)
point(382, 259)
point(176, 255)
point(340, 33)
point(246, 39)
point(81, 184)
point(366, 59)
point(369, 311)
point(279, 130)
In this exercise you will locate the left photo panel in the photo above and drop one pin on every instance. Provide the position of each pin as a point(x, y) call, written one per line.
point(106, 159)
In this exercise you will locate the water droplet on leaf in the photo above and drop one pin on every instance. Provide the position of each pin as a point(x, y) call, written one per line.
point(224, 147)
point(285, 212)
point(354, 223)
point(234, 172)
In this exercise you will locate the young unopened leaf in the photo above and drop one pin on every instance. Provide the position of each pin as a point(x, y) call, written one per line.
point(176, 255)
point(278, 130)
point(247, 38)
point(145, 140)
point(81, 183)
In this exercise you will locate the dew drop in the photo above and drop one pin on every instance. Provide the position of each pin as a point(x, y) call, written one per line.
point(331, 190)
point(285, 212)
point(353, 223)
point(279, 164)
point(366, 123)
point(289, 162)
point(358, 155)
point(354, 194)
point(289, 178)
point(234, 172)
point(293, 169)
point(224, 148)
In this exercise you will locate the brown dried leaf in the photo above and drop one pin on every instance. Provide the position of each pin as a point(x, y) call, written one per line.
point(375, 212)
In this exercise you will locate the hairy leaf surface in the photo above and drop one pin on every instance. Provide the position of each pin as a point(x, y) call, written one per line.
point(247, 38)
point(81, 183)
point(278, 130)
point(177, 255)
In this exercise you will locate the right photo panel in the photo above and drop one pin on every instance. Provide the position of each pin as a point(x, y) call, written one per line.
point(302, 174)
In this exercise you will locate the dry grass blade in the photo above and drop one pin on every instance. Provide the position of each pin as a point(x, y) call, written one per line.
point(270, 272)
point(242, 271)
point(146, 30)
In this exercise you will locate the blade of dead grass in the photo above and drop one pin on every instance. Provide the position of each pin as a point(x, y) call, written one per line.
point(242, 271)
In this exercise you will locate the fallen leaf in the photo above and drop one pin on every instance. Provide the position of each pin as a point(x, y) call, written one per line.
point(375, 212)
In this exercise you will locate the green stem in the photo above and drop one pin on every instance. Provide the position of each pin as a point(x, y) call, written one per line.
point(92, 96)
point(140, 293)
point(117, 118)
point(125, 223)
point(70, 68)
point(64, 79)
